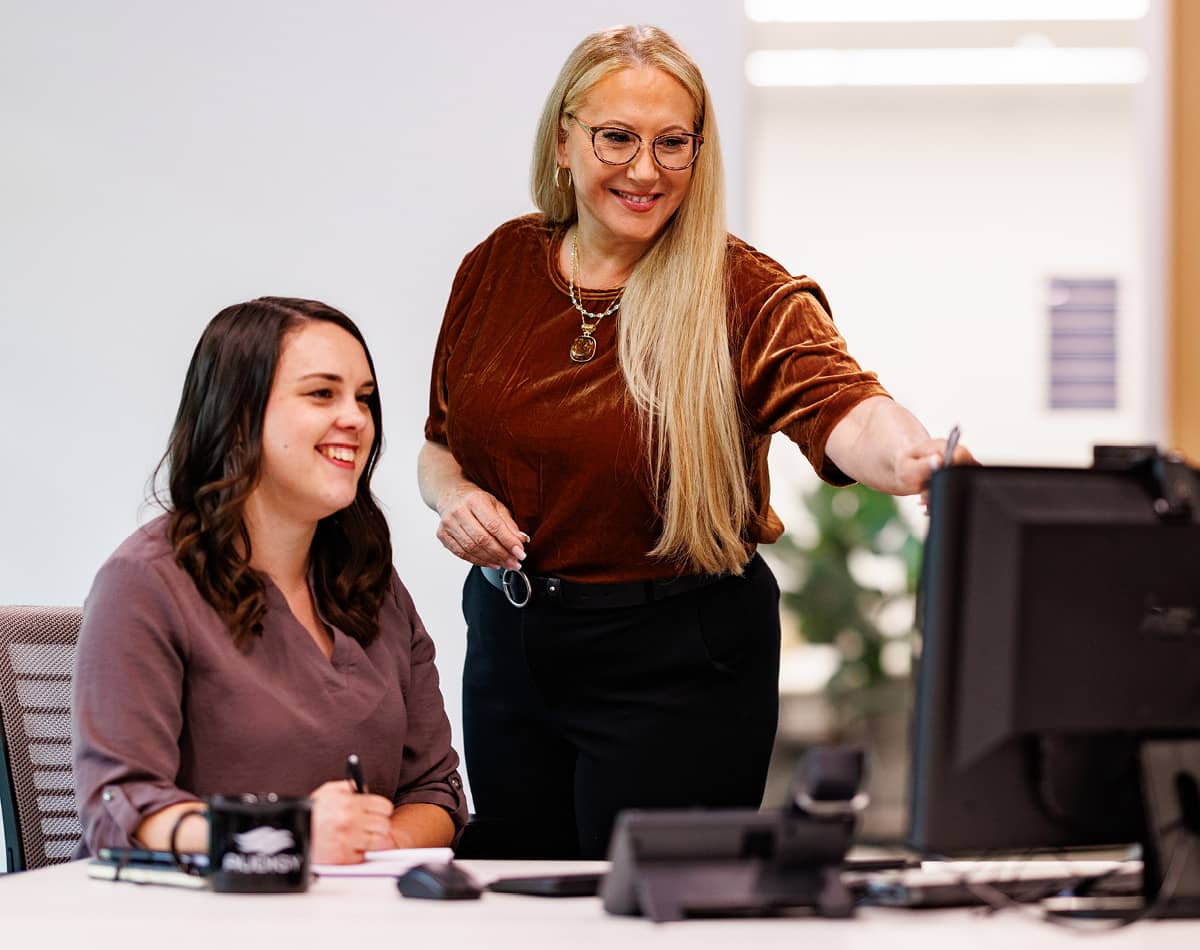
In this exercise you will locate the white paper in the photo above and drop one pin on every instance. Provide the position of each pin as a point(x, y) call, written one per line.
point(390, 863)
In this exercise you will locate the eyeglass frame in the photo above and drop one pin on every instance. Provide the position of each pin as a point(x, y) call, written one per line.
point(695, 136)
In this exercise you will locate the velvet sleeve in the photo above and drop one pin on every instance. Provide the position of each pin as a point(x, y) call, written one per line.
point(465, 286)
point(796, 374)
point(429, 770)
point(127, 712)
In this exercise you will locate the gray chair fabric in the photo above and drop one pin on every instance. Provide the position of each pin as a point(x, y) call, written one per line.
point(37, 787)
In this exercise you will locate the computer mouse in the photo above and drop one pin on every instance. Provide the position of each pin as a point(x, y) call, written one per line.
point(439, 882)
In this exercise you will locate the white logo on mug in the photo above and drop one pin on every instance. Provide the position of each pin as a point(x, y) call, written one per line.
point(260, 853)
point(264, 841)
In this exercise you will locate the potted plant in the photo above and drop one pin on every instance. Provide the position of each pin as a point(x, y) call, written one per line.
point(852, 585)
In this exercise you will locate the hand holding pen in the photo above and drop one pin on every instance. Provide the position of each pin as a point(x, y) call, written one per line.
point(951, 445)
point(347, 820)
point(951, 454)
point(354, 773)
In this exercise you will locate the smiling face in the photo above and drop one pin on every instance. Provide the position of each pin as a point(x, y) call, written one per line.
point(623, 208)
point(317, 428)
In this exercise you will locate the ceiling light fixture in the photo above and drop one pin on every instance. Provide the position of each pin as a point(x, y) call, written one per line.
point(1004, 66)
point(941, 11)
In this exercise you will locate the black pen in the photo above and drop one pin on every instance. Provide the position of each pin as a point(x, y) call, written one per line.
point(951, 444)
point(354, 773)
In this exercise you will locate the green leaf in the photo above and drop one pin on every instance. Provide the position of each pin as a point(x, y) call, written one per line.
point(826, 599)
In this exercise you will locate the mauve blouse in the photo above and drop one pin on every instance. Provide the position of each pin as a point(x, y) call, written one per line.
point(166, 709)
point(560, 443)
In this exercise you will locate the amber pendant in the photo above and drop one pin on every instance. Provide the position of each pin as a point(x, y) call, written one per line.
point(583, 349)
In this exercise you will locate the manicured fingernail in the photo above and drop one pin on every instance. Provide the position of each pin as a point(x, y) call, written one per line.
point(934, 462)
point(518, 552)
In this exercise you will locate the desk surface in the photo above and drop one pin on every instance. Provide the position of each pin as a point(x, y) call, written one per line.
point(61, 906)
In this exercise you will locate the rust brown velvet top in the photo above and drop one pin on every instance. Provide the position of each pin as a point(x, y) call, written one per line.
point(561, 444)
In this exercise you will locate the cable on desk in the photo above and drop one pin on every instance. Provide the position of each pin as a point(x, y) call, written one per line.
point(996, 900)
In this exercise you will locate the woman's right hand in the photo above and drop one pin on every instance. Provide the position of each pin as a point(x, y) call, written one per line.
point(347, 824)
point(476, 527)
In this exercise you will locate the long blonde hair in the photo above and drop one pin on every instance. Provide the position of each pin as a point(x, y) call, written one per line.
point(673, 342)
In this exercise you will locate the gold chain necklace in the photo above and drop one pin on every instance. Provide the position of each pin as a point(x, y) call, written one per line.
point(584, 347)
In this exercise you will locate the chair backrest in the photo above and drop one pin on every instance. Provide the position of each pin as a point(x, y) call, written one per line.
point(37, 786)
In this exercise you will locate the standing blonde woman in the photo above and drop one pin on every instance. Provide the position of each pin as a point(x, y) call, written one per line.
point(607, 380)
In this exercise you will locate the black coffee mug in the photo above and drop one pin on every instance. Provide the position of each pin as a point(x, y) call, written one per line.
point(256, 844)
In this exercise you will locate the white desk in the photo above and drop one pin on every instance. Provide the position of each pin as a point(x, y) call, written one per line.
point(61, 906)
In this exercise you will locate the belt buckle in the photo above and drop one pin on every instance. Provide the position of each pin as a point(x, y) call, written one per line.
point(506, 585)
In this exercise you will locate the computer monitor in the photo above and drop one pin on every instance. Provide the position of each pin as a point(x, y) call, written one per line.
point(1058, 681)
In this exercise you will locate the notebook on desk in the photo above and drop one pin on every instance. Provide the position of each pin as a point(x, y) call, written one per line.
point(139, 866)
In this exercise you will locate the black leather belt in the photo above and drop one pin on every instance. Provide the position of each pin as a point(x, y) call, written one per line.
point(521, 589)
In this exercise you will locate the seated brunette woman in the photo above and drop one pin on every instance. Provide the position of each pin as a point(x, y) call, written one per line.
point(253, 636)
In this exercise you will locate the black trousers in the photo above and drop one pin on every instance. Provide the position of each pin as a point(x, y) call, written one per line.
point(571, 716)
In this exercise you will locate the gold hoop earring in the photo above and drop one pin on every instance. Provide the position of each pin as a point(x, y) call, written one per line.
point(558, 170)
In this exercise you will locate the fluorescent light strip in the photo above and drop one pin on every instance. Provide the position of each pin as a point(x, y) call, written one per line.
point(1015, 66)
point(941, 11)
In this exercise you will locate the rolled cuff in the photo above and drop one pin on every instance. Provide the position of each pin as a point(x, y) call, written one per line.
point(122, 810)
point(448, 795)
point(830, 415)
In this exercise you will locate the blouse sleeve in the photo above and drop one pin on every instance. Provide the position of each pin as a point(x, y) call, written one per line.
point(429, 771)
point(462, 291)
point(127, 713)
point(796, 374)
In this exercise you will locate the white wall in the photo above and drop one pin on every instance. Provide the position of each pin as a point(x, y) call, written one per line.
point(163, 160)
point(933, 218)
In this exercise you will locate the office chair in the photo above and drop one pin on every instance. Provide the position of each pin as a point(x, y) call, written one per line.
point(37, 787)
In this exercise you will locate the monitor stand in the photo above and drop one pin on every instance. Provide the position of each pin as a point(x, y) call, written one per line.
point(1171, 847)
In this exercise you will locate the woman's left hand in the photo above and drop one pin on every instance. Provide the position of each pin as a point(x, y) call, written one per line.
point(926, 458)
point(915, 467)
point(881, 444)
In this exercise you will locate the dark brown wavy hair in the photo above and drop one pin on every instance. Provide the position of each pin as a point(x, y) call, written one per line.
point(214, 459)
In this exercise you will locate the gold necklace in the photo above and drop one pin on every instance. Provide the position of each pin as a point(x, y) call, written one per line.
point(584, 347)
